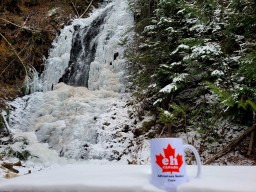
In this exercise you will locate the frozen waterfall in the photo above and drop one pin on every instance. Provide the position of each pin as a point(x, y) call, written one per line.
point(85, 117)
point(85, 52)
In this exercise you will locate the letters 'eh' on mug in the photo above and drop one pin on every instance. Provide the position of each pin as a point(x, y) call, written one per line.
point(168, 162)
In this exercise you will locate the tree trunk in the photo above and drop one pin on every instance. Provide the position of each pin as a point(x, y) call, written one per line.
point(251, 143)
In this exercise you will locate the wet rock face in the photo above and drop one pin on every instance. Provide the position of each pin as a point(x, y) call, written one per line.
point(83, 53)
point(75, 52)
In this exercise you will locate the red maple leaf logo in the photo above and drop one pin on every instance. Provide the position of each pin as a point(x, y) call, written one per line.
point(168, 162)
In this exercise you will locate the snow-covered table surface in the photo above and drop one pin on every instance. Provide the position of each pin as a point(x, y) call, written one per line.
point(118, 178)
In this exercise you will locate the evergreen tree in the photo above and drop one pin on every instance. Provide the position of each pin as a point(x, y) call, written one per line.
point(185, 44)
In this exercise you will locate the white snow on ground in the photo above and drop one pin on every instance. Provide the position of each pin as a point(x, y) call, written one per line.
point(84, 177)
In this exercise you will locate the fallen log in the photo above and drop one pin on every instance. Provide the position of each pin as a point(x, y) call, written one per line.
point(230, 146)
point(9, 166)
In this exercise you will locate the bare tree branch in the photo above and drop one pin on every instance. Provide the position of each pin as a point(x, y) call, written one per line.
point(15, 52)
point(22, 27)
point(13, 59)
point(75, 8)
point(86, 9)
point(25, 27)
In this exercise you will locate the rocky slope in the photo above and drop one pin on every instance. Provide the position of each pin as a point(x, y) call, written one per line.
point(27, 29)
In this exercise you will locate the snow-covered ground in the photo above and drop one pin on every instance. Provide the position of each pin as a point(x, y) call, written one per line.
point(84, 177)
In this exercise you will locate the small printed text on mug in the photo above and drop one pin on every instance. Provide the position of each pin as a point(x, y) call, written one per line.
point(172, 177)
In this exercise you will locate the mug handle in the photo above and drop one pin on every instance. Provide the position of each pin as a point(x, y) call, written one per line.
point(198, 161)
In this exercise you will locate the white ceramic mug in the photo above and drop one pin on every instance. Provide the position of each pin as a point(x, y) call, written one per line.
point(168, 162)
